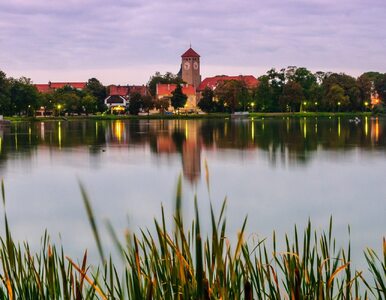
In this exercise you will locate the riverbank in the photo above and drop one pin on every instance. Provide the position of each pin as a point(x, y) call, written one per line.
point(193, 116)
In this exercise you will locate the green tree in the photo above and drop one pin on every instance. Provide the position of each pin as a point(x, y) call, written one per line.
point(291, 97)
point(207, 102)
point(233, 93)
point(135, 103)
point(24, 96)
point(5, 98)
point(365, 86)
point(262, 95)
point(380, 87)
point(147, 103)
point(162, 104)
point(178, 98)
point(89, 104)
point(336, 98)
point(159, 78)
point(99, 91)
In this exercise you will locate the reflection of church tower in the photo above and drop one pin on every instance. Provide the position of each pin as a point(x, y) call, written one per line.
point(190, 67)
point(191, 152)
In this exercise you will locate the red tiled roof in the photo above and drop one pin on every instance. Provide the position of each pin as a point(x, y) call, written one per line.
point(75, 85)
point(167, 89)
point(212, 82)
point(140, 89)
point(117, 90)
point(43, 88)
point(190, 53)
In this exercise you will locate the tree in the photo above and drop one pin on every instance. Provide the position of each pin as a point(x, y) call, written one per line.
point(99, 91)
point(89, 104)
point(206, 102)
point(262, 95)
point(24, 96)
point(365, 86)
point(159, 78)
point(5, 99)
point(135, 103)
point(380, 87)
point(233, 93)
point(178, 98)
point(336, 98)
point(292, 97)
point(162, 104)
point(147, 103)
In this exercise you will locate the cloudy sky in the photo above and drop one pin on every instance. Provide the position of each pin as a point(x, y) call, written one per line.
point(126, 41)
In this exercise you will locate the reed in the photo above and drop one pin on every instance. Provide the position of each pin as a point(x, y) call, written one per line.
point(183, 263)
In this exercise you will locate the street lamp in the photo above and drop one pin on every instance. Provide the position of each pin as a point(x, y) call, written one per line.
point(59, 107)
point(252, 104)
point(366, 105)
point(338, 106)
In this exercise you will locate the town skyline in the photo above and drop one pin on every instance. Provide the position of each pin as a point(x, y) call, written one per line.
point(129, 41)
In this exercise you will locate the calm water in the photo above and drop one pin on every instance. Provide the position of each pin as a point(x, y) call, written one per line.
point(279, 172)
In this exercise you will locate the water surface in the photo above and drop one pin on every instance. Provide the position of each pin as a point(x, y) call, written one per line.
point(277, 171)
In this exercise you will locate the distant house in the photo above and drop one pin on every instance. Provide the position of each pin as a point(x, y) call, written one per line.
point(116, 103)
point(212, 82)
point(119, 96)
point(52, 86)
point(165, 91)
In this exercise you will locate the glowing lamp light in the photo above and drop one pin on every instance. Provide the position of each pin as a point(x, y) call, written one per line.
point(316, 103)
point(339, 103)
point(304, 103)
point(366, 103)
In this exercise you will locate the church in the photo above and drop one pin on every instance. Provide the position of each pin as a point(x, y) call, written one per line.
point(193, 85)
point(190, 74)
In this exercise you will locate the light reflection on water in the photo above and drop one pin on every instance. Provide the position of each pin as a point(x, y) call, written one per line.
point(279, 172)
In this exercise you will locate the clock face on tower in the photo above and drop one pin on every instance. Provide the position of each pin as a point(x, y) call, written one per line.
point(186, 65)
point(195, 65)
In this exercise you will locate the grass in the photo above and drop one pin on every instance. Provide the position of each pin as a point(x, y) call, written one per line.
point(192, 116)
point(182, 263)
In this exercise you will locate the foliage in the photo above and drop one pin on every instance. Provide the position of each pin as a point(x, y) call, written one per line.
point(380, 86)
point(186, 264)
point(147, 103)
point(135, 103)
point(162, 104)
point(159, 78)
point(24, 96)
point(178, 98)
point(291, 97)
point(95, 88)
point(233, 93)
point(5, 100)
point(207, 103)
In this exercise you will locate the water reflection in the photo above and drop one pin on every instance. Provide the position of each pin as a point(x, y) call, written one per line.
point(285, 141)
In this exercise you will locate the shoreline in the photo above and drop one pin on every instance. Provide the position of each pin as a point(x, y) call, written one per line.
point(272, 115)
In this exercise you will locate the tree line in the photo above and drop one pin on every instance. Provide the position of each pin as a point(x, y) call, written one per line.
point(21, 97)
point(291, 89)
point(294, 89)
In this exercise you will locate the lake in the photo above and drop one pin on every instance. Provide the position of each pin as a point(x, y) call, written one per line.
point(279, 172)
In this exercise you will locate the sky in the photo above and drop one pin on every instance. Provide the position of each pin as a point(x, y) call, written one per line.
point(127, 41)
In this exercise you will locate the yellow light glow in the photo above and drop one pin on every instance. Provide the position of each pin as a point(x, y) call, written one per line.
point(118, 130)
point(366, 103)
point(60, 135)
point(339, 126)
point(366, 126)
point(253, 130)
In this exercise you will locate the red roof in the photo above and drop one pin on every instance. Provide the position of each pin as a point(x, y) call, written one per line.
point(140, 89)
point(43, 88)
point(190, 53)
point(117, 90)
point(167, 89)
point(75, 85)
point(212, 82)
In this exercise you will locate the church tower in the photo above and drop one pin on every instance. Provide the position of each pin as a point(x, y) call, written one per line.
point(190, 66)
